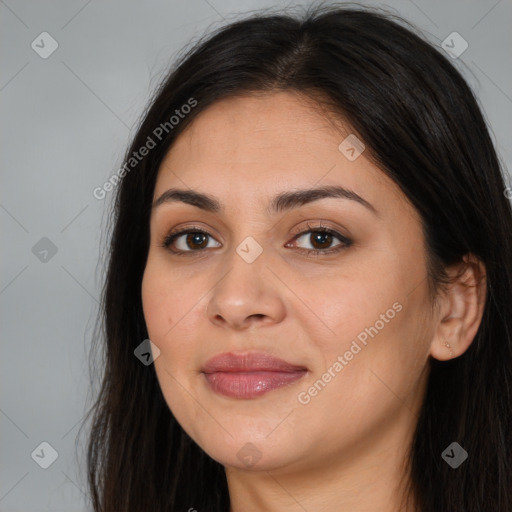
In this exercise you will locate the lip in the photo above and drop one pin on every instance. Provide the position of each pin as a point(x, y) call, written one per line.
point(249, 375)
point(248, 362)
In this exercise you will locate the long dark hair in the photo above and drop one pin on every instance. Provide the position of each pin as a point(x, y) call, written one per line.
point(422, 126)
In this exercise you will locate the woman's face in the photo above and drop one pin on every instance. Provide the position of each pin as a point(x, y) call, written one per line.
point(350, 316)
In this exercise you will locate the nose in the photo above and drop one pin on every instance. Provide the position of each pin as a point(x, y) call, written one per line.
point(247, 294)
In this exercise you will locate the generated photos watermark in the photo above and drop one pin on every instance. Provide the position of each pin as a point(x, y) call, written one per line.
point(304, 397)
point(158, 133)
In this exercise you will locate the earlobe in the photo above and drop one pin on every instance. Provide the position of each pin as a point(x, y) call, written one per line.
point(461, 309)
point(449, 347)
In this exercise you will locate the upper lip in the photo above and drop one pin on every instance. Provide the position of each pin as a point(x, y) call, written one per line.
point(247, 362)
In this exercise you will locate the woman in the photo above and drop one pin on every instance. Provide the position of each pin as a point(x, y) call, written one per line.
point(311, 230)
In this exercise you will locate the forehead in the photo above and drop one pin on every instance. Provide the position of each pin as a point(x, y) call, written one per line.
point(248, 147)
point(235, 127)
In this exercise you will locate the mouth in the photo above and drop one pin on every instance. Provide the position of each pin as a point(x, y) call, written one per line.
point(250, 375)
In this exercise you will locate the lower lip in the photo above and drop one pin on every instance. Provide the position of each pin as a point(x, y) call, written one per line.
point(250, 384)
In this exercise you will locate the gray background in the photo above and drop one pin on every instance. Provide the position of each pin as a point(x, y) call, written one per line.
point(65, 123)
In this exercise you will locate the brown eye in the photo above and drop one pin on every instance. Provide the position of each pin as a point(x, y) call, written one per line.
point(321, 240)
point(187, 241)
point(199, 240)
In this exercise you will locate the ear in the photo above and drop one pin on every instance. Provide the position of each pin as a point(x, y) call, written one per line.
point(460, 309)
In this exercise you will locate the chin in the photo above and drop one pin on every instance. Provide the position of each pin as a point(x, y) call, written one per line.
point(242, 452)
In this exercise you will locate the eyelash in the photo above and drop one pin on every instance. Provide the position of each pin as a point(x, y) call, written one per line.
point(345, 242)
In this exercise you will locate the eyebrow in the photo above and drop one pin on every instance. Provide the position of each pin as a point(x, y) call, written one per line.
point(282, 202)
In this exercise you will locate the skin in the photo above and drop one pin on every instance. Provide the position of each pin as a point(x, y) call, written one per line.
point(345, 449)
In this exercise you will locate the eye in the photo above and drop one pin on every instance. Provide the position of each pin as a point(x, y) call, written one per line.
point(194, 238)
point(321, 239)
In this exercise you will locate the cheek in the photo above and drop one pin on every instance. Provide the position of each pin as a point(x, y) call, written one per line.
point(167, 313)
point(165, 302)
point(343, 308)
point(171, 309)
point(166, 297)
point(156, 305)
point(377, 341)
point(364, 385)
